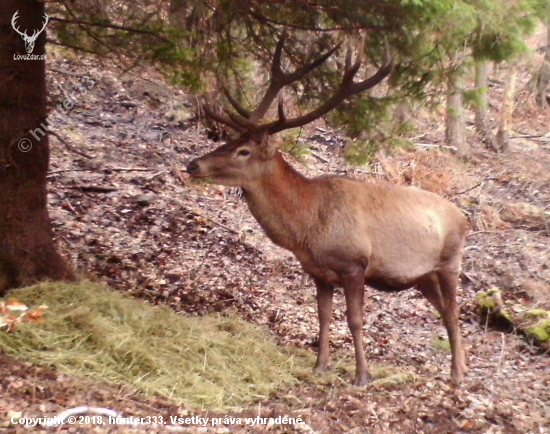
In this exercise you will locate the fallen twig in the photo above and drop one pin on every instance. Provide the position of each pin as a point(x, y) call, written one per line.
point(431, 145)
point(470, 189)
point(92, 188)
point(69, 146)
point(324, 160)
point(106, 169)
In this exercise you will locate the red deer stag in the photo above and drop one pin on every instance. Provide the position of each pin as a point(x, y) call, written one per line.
point(344, 232)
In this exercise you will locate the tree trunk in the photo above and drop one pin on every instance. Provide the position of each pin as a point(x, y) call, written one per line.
point(481, 106)
point(454, 123)
point(543, 79)
point(27, 250)
point(507, 108)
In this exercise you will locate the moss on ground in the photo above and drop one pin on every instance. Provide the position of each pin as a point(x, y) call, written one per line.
point(441, 343)
point(540, 331)
point(489, 299)
point(532, 323)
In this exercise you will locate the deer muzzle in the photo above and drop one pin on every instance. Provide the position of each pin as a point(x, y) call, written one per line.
point(195, 169)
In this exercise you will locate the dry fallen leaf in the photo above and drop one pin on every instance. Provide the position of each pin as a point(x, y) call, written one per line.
point(15, 305)
point(34, 315)
point(14, 312)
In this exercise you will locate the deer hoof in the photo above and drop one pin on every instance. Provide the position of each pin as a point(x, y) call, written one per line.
point(322, 369)
point(457, 377)
point(362, 379)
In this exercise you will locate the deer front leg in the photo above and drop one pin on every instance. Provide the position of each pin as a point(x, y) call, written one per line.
point(325, 292)
point(354, 289)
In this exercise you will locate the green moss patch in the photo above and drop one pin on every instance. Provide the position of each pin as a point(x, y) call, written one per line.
point(541, 331)
point(490, 299)
point(442, 344)
point(213, 361)
point(534, 324)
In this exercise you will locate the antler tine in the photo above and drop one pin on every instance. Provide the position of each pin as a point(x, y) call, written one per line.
point(239, 108)
point(347, 63)
point(46, 21)
point(244, 123)
point(279, 79)
point(387, 53)
point(221, 118)
point(299, 73)
point(13, 23)
point(351, 70)
point(44, 24)
point(276, 70)
point(280, 110)
point(347, 88)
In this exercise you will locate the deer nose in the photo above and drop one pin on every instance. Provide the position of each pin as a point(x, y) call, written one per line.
point(192, 167)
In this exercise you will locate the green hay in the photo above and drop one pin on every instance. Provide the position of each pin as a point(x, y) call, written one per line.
point(212, 361)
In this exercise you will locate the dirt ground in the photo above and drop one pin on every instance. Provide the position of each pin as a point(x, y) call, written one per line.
point(126, 214)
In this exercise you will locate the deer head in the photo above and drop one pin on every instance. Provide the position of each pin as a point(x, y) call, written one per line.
point(241, 160)
point(29, 40)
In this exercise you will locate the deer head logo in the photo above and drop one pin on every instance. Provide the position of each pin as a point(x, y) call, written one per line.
point(29, 40)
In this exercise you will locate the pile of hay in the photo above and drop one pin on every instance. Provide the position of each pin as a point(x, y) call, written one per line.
point(213, 361)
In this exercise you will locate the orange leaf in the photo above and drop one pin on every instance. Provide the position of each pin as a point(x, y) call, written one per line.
point(8, 321)
point(34, 315)
point(14, 304)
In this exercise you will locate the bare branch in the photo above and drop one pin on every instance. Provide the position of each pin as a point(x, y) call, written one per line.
point(111, 26)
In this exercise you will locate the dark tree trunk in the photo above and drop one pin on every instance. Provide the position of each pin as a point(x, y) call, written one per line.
point(27, 250)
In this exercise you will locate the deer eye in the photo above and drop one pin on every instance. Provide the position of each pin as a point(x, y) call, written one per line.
point(243, 153)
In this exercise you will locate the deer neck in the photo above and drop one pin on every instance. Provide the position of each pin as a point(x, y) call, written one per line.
point(283, 202)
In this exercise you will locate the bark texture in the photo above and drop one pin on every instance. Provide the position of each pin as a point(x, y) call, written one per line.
point(543, 79)
point(27, 250)
point(481, 110)
point(455, 123)
point(506, 111)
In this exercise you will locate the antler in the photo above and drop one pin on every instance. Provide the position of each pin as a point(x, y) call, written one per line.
point(13, 24)
point(37, 32)
point(348, 87)
point(245, 121)
point(24, 34)
point(250, 121)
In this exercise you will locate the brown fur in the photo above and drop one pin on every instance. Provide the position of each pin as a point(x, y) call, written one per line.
point(349, 234)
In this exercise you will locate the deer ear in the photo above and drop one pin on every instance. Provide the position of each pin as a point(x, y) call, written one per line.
point(268, 146)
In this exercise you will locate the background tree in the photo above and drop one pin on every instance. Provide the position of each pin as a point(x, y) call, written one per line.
point(543, 76)
point(455, 133)
point(481, 106)
point(506, 110)
point(27, 252)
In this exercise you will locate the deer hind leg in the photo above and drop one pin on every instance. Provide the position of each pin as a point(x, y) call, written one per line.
point(325, 292)
point(440, 290)
point(354, 289)
point(448, 284)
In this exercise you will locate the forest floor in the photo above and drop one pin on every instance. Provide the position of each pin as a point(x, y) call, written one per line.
point(126, 214)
